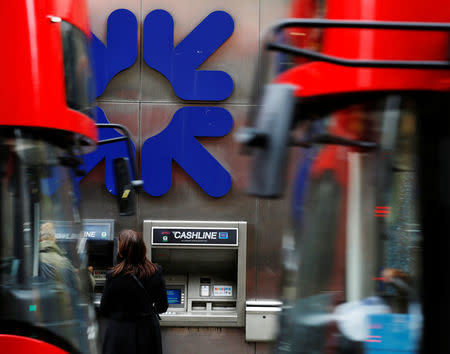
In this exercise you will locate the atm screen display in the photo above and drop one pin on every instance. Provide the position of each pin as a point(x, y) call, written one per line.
point(174, 296)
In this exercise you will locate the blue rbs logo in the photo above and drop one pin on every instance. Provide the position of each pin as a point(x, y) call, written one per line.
point(179, 65)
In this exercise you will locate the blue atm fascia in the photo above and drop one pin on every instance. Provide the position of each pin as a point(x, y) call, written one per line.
point(179, 65)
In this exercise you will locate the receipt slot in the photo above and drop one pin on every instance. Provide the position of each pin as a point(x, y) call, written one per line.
point(204, 266)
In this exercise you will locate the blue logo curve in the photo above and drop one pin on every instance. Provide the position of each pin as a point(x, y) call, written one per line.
point(120, 51)
point(179, 65)
point(178, 143)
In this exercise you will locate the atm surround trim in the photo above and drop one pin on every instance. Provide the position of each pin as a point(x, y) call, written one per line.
point(181, 244)
point(198, 318)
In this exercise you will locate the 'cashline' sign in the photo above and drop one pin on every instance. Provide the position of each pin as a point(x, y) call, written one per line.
point(196, 236)
point(91, 229)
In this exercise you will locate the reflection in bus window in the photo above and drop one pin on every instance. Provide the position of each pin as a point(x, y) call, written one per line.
point(359, 238)
point(43, 272)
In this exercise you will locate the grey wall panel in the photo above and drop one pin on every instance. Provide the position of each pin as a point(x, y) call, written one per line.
point(237, 56)
point(205, 340)
point(272, 220)
point(97, 202)
point(126, 84)
point(251, 290)
point(272, 11)
point(264, 348)
point(127, 114)
point(99, 10)
point(268, 247)
point(94, 195)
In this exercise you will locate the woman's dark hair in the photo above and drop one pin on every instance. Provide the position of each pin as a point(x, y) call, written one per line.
point(131, 256)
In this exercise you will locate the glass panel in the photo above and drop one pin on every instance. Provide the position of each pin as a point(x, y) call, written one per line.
point(273, 62)
point(80, 89)
point(357, 276)
point(43, 276)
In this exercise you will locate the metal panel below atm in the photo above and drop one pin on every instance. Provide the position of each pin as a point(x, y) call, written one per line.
point(205, 271)
point(262, 320)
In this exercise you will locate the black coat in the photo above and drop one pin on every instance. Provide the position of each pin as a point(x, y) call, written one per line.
point(133, 326)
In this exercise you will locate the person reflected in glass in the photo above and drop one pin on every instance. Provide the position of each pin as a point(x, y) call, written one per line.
point(92, 281)
point(53, 264)
point(134, 295)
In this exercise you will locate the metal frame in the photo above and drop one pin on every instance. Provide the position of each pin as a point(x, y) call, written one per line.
point(379, 25)
point(126, 138)
point(252, 137)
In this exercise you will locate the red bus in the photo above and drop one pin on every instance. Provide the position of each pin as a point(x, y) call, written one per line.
point(365, 84)
point(47, 105)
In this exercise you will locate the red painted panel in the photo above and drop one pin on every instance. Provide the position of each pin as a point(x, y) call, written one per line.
point(321, 78)
point(75, 12)
point(387, 44)
point(24, 345)
point(32, 92)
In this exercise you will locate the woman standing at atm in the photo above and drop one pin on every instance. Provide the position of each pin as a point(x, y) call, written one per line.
point(134, 295)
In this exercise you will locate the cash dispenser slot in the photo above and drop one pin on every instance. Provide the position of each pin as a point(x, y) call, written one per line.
point(224, 306)
point(199, 305)
point(206, 261)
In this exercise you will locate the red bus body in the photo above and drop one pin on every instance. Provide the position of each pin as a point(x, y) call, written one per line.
point(377, 140)
point(32, 65)
point(24, 345)
point(34, 117)
point(320, 78)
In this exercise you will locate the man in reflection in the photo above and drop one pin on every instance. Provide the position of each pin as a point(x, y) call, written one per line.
point(53, 264)
point(91, 279)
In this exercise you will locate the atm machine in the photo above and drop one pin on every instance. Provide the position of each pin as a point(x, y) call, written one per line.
point(204, 264)
point(101, 248)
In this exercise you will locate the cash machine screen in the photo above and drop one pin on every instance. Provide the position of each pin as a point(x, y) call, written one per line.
point(174, 296)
